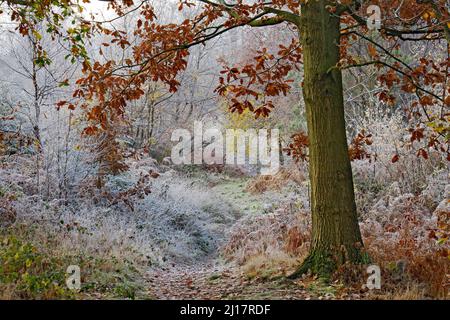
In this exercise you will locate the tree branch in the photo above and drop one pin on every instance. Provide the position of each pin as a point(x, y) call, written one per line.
point(413, 81)
point(392, 31)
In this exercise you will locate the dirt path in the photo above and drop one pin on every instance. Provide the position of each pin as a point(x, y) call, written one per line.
point(210, 279)
point(212, 283)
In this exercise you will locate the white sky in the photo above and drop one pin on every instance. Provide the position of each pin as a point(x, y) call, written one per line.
point(99, 8)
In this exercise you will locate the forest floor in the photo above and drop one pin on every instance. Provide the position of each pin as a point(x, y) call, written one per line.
point(206, 283)
point(213, 278)
point(199, 235)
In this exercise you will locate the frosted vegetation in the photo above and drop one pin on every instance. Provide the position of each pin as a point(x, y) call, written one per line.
point(116, 206)
point(196, 216)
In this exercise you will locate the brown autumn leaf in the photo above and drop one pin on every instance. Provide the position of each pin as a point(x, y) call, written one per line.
point(372, 50)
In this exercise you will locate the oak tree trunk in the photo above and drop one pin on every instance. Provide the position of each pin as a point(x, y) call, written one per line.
point(336, 237)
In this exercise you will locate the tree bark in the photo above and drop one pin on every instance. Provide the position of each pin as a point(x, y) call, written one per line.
point(336, 237)
point(37, 100)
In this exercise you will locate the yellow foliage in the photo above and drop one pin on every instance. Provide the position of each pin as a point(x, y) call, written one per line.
point(244, 121)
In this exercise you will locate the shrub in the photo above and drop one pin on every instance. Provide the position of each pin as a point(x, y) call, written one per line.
point(34, 260)
point(27, 273)
point(269, 244)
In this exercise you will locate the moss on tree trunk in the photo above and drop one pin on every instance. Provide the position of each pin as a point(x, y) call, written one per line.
point(336, 237)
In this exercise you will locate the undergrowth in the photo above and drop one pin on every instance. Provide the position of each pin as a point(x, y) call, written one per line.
point(33, 265)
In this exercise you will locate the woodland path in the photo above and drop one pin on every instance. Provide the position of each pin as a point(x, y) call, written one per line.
point(210, 283)
point(211, 279)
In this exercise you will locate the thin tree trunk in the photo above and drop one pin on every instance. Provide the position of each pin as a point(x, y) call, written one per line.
point(37, 108)
point(336, 237)
point(37, 116)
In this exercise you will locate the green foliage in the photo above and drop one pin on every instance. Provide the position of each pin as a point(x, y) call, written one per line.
point(33, 266)
point(33, 273)
point(53, 16)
